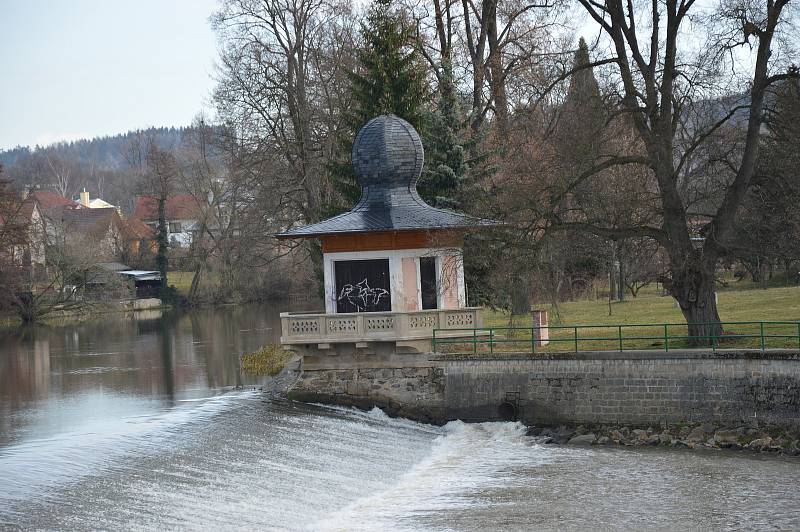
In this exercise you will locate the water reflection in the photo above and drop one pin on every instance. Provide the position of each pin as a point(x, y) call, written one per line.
point(52, 373)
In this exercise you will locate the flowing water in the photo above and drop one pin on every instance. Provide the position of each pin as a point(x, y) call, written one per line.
point(147, 424)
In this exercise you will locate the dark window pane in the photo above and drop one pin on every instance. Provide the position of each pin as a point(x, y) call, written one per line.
point(363, 286)
point(427, 273)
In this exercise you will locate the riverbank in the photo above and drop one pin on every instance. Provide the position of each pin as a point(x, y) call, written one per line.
point(691, 436)
point(698, 436)
point(149, 308)
point(691, 399)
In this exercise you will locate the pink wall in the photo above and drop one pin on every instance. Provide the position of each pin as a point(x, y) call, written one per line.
point(449, 282)
point(409, 266)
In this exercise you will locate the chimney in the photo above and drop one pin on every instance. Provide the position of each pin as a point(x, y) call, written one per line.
point(85, 198)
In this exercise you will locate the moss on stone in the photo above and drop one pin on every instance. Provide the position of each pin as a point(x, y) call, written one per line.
point(269, 360)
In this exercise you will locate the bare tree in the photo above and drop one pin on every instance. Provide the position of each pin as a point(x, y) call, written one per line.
point(61, 171)
point(275, 92)
point(662, 77)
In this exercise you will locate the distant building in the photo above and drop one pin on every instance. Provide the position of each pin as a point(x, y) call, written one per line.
point(26, 248)
point(63, 221)
point(106, 276)
point(51, 204)
point(96, 203)
point(182, 215)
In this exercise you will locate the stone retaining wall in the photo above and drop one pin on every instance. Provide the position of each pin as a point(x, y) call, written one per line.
point(414, 392)
point(632, 388)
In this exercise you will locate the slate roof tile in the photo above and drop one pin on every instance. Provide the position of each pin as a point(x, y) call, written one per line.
point(387, 158)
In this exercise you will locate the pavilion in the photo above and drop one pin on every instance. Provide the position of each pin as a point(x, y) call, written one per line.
point(393, 268)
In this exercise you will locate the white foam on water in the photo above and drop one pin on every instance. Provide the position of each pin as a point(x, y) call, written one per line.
point(379, 416)
point(38, 465)
point(465, 459)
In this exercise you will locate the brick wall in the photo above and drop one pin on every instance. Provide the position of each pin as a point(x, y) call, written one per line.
point(630, 388)
point(412, 392)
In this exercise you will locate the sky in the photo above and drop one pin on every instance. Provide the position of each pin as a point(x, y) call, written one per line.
point(73, 69)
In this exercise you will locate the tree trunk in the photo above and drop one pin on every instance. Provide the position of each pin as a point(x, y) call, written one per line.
point(161, 240)
point(621, 283)
point(693, 287)
point(195, 284)
point(497, 83)
point(612, 275)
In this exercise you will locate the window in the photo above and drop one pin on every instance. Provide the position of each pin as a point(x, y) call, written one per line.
point(363, 286)
point(175, 227)
point(427, 282)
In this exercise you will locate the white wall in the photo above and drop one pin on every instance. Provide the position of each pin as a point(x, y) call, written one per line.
point(396, 274)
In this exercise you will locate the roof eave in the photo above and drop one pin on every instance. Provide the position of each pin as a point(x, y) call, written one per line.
point(288, 235)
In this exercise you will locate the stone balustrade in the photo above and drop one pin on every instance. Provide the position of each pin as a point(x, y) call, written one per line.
point(321, 328)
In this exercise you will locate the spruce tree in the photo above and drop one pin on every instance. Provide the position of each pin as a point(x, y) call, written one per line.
point(445, 164)
point(583, 115)
point(390, 80)
point(769, 219)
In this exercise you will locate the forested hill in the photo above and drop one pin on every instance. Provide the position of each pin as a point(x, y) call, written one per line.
point(100, 165)
point(107, 153)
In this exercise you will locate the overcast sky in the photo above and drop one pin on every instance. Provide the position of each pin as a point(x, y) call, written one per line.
point(81, 68)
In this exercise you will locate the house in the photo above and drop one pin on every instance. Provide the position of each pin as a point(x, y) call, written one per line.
point(27, 247)
point(64, 221)
point(107, 277)
point(393, 267)
point(51, 204)
point(182, 212)
point(96, 203)
point(102, 228)
point(139, 237)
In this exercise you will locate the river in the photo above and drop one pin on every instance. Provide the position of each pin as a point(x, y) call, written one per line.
point(147, 424)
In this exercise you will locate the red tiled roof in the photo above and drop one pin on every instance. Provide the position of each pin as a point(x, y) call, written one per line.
point(180, 207)
point(49, 200)
point(137, 230)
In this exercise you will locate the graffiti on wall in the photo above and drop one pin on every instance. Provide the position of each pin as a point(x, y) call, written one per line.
point(362, 296)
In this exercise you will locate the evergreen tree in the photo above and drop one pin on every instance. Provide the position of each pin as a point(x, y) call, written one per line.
point(390, 80)
point(445, 165)
point(769, 220)
point(583, 115)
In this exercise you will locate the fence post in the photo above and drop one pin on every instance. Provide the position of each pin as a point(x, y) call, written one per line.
point(491, 341)
point(433, 342)
point(620, 338)
point(714, 337)
point(575, 329)
point(474, 341)
point(798, 335)
point(666, 338)
point(762, 337)
point(533, 341)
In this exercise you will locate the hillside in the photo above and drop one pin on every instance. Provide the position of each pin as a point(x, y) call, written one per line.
point(99, 165)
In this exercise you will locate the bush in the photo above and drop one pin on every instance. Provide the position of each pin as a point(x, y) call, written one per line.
point(269, 360)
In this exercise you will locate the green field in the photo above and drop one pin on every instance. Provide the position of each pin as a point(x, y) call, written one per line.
point(735, 306)
point(182, 281)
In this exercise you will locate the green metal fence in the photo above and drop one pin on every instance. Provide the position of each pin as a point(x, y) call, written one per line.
point(619, 337)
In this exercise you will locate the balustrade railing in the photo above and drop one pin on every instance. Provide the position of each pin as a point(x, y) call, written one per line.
point(299, 328)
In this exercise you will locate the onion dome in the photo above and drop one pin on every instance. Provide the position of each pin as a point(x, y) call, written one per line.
point(387, 159)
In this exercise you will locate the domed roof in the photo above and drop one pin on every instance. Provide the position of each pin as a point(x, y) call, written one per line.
point(387, 150)
point(387, 159)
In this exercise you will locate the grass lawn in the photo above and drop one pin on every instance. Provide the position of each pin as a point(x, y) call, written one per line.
point(735, 305)
point(180, 280)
